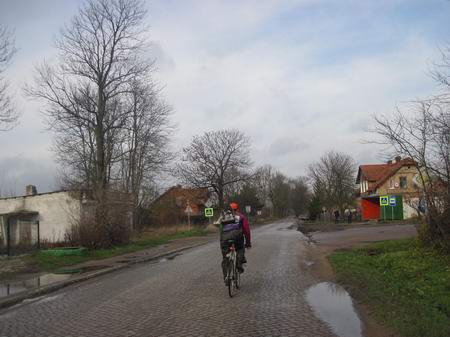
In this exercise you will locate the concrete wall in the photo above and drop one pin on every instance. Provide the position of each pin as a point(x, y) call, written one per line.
point(57, 211)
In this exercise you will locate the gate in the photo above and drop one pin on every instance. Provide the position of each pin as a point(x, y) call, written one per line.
point(18, 236)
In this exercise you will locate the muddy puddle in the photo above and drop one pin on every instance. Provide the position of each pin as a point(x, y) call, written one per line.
point(11, 288)
point(332, 304)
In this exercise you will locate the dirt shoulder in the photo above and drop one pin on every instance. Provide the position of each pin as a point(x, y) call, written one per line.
point(326, 238)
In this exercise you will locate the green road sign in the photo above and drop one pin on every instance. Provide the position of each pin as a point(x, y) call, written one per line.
point(209, 212)
point(384, 200)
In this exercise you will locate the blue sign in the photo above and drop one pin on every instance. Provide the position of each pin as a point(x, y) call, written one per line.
point(392, 201)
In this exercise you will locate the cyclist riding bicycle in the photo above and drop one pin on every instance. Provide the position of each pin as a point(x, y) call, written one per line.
point(245, 227)
point(234, 226)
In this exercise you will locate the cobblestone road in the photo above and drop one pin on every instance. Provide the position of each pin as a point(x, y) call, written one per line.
point(183, 297)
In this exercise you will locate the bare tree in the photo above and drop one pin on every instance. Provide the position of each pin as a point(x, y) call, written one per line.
point(424, 135)
point(247, 195)
point(100, 54)
point(262, 180)
point(279, 194)
point(299, 195)
point(422, 132)
point(332, 179)
point(215, 160)
point(145, 140)
point(111, 128)
point(8, 113)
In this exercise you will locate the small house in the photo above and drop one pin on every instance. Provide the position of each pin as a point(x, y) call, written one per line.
point(175, 205)
point(389, 191)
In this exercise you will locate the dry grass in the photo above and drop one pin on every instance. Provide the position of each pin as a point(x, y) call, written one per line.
point(169, 230)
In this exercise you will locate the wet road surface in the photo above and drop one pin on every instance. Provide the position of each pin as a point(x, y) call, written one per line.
point(185, 296)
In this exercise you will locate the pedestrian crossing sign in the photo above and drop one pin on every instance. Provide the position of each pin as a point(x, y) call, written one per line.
point(209, 212)
point(384, 200)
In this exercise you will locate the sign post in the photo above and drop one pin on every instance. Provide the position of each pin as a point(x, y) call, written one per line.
point(384, 201)
point(208, 205)
point(392, 203)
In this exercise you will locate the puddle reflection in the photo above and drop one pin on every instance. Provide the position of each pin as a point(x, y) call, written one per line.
point(10, 288)
point(333, 304)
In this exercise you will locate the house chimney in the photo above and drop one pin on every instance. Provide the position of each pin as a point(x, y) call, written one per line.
point(30, 190)
point(397, 159)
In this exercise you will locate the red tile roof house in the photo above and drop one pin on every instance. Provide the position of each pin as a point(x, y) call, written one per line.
point(172, 206)
point(398, 180)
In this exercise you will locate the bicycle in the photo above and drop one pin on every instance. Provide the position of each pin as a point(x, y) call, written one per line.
point(233, 277)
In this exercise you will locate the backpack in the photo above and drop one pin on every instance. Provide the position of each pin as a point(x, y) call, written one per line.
point(227, 218)
point(229, 221)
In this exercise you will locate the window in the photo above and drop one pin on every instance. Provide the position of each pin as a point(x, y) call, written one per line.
point(403, 182)
point(391, 183)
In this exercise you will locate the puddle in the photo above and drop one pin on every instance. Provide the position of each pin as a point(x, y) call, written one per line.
point(10, 288)
point(332, 304)
point(309, 263)
point(169, 258)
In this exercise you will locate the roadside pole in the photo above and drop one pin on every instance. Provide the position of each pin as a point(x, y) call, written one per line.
point(209, 213)
point(384, 201)
point(188, 211)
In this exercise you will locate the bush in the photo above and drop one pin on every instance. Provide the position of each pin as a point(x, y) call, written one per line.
point(108, 228)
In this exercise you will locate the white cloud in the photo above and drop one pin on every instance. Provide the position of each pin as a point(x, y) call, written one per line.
point(299, 77)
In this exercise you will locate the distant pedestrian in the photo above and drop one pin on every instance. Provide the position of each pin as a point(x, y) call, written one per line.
point(336, 216)
point(349, 216)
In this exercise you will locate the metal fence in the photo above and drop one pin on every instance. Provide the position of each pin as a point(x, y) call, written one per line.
point(18, 236)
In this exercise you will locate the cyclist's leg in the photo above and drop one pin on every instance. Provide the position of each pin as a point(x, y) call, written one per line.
point(240, 252)
point(239, 257)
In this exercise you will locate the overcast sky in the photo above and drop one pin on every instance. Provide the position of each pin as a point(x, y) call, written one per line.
point(300, 77)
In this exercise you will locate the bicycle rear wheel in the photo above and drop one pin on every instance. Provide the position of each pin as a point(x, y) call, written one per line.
point(232, 279)
point(238, 278)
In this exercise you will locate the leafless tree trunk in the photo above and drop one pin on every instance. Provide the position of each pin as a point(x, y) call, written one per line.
point(8, 112)
point(215, 160)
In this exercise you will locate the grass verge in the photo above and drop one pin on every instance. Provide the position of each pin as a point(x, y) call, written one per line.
point(49, 263)
point(406, 287)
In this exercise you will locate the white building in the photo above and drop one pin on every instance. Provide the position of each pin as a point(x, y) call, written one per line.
point(55, 211)
point(47, 217)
